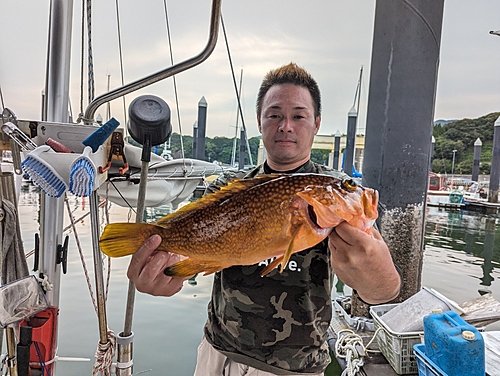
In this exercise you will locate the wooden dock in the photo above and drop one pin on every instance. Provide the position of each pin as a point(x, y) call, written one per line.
point(481, 205)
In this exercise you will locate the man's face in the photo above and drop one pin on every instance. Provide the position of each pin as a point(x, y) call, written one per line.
point(288, 126)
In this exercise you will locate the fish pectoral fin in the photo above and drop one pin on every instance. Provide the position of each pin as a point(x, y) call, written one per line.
point(283, 260)
point(271, 266)
point(290, 249)
point(189, 267)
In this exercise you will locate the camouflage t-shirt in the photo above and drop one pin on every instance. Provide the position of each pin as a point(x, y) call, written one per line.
point(277, 323)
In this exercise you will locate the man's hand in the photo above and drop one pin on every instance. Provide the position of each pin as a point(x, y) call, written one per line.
point(363, 262)
point(147, 266)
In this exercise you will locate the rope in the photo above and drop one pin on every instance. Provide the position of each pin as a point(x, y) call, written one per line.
point(173, 78)
point(104, 355)
point(121, 61)
point(82, 257)
point(346, 347)
point(43, 364)
point(349, 346)
point(90, 57)
point(82, 62)
point(44, 281)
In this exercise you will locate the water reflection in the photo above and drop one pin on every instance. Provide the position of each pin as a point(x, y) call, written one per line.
point(470, 239)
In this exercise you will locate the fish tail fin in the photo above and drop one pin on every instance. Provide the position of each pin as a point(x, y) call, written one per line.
point(122, 239)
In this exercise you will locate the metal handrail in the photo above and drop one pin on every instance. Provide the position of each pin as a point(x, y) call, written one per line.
point(168, 72)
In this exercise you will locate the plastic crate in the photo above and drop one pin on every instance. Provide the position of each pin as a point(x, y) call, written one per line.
point(396, 347)
point(426, 367)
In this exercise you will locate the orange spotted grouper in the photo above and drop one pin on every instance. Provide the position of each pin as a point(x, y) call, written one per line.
point(251, 220)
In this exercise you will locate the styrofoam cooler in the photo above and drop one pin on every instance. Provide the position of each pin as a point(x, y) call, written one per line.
point(453, 345)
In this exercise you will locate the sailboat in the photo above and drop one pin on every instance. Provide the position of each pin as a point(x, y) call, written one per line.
point(59, 155)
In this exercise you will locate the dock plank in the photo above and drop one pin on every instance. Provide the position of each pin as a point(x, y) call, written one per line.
point(492, 352)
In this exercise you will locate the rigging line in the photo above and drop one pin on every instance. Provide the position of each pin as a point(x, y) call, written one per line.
point(233, 156)
point(1, 97)
point(121, 62)
point(173, 77)
point(359, 94)
point(90, 57)
point(82, 63)
point(236, 90)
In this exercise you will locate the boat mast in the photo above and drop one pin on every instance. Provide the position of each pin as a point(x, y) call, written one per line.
point(56, 106)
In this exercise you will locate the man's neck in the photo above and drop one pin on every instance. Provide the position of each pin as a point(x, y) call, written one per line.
point(269, 170)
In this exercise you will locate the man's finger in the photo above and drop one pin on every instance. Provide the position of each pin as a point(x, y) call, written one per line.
point(142, 256)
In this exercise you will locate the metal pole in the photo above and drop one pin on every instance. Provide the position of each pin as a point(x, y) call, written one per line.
point(125, 339)
point(241, 156)
point(404, 66)
point(202, 126)
point(431, 156)
point(352, 118)
point(495, 164)
point(195, 140)
point(453, 167)
point(336, 151)
point(56, 110)
point(99, 278)
point(477, 159)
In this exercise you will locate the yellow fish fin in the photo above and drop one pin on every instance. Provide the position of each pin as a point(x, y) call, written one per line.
point(289, 251)
point(224, 193)
point(122, 239)
point(189, 267)
point(283, 260)
point(271, 266)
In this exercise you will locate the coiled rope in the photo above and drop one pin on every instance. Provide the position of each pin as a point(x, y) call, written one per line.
point(104, 355)
point(349, 346)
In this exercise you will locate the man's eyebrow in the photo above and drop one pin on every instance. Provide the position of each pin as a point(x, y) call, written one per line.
point(276, 107)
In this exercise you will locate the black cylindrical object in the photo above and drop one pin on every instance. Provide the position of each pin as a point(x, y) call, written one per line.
point(23, 350)
point(202, 127)
point(352, 119)
point(495, 164)
point(336, 150)
point(477, 159)
point(149, 122)
point(403, 78)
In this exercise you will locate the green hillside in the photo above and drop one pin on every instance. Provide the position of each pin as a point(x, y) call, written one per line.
point(221, 149)
point(460, 135)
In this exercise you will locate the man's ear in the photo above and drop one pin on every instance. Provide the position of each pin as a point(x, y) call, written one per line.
point(258, 124)
point(317, 123)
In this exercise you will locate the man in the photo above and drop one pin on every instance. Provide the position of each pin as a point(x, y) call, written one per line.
point(277, 324)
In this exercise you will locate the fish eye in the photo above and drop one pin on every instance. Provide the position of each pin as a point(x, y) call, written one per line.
point(349, 184)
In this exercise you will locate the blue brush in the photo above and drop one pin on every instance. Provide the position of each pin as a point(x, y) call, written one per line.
point(82, 174)
point(100, 135)
point(42, 174)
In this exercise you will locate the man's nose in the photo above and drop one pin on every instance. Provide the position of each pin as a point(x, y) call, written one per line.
point(286, 125)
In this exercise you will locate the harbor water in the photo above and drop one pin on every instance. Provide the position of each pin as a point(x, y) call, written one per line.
point(461, 261)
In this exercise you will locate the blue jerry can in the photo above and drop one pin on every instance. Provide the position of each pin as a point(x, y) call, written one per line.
point(455, 346)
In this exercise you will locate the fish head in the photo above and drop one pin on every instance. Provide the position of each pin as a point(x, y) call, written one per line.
point(341, 200)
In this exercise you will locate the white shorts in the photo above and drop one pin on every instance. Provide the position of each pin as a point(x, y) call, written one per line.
point(210, 362)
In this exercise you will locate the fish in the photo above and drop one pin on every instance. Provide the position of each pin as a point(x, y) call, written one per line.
point(251, 220)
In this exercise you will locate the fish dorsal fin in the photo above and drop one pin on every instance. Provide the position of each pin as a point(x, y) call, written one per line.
point(225, 192)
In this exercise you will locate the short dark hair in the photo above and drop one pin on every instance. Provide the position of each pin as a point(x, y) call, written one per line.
point(290, 74)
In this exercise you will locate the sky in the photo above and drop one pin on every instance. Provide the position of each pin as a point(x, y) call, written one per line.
point(332, 39)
